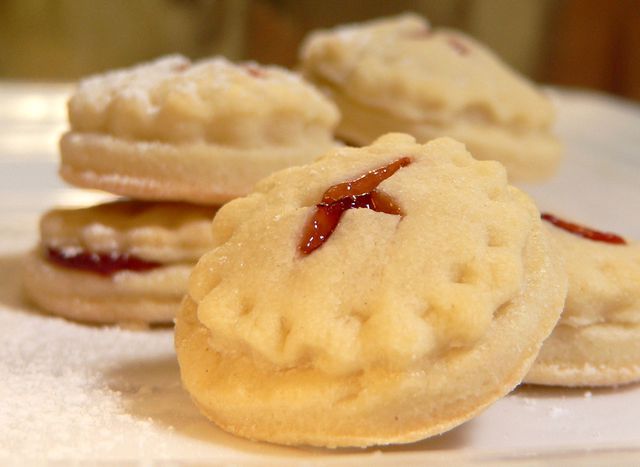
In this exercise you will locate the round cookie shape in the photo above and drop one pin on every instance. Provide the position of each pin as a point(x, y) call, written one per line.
point(202, 132)
point(119, 262)
point(400, 325)
point(399, 74)
point(597, 340)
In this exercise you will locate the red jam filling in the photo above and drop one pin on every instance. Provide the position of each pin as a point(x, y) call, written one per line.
point(358, 193)
point(458, 45)
point(420, 33)
point(454, 42)
point(182, 66)
point(585, 232)
point(105, 264)
point(255, 71)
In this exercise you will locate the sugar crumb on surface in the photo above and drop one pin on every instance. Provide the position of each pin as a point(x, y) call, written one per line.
point(556, 411)
point(55, 399)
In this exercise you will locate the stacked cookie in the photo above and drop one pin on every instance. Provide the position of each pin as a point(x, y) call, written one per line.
point(180, 139)
point(124, 262)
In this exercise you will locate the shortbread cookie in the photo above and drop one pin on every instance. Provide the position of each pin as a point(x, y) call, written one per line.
point(120, 262)
point(597, 341)
point(314, 323)
point(202, 132)
point(398, 74)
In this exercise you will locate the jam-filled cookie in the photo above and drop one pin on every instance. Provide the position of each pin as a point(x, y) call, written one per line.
point(202, 132)
point(119, 262)
point(379, 295)
point(398, 74)
point(597, 341)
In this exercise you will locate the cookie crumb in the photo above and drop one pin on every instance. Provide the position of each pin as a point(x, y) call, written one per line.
point(556, 412)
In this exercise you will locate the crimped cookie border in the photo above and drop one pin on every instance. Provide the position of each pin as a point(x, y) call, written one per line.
point(207, 377)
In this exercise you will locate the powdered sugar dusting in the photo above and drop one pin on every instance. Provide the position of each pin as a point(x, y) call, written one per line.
point(556, 412)
point(175, 100)
point(54, 397)
point(134, 83)
point(146, 83)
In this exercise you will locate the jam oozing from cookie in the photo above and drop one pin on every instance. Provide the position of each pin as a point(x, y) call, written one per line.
point(358, 193)
point(105, 264)
point(255, 71)
point(182, 66)
point(458, 45)
point(583, 231)
point(420, 33)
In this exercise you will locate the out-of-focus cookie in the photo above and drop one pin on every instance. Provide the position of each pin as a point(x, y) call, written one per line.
point(597, 341)
point(311, 322)
point(398, 74)
point(202, 132)
point(120, 262)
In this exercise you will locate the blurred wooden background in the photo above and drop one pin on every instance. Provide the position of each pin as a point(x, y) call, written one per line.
point(585, 43)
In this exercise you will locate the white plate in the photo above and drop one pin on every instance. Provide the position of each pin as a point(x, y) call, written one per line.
point(69, 391)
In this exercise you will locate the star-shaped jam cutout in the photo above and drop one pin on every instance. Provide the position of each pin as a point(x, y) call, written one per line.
point(359, 193)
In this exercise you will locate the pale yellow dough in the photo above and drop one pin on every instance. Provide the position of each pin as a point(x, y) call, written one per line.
point(597, 341)
point(396, 329)
point(398, 74)
point(172, 234)
point(201, 132)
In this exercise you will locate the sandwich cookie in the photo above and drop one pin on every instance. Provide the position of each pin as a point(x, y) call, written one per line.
point(399, 74)
point(119, 262)
point(597, 341)
point(380, 295)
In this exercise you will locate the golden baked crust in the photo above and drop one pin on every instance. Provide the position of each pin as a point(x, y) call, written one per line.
point(202, 132)
point(397, 328)
point(597, 341)
point(174, 235)
point(398, 74)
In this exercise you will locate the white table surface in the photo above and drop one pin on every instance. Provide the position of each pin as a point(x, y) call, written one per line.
point(75, 392)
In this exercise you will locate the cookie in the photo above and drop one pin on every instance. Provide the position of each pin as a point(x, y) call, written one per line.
point(201, 132)
point(398, 74)
point(379, 295)
point(119, 262)
point(597, 341)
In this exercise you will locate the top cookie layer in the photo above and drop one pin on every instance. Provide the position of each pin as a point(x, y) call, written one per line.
point(386, 291)
point(163, 232)
point(175, 100)
point(414, 72)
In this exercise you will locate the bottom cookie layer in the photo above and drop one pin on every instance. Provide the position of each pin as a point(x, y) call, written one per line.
point(198, 173)
point(604, 354)
point(126, 297)
point(528, 155)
